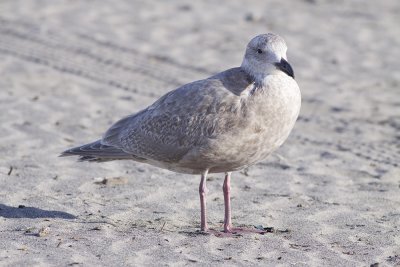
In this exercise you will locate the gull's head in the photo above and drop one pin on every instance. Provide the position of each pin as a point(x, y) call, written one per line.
point(265, 55)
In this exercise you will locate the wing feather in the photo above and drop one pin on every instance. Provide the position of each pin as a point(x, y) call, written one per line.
point(181, 120)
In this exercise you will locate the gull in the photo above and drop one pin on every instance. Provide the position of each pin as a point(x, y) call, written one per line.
point(220, 124)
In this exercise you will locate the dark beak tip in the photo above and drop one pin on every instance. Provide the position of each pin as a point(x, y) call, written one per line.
point(284, 66)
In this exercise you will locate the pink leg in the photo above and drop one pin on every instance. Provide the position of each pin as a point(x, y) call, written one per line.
point(227, 201)
point(203, 193)
point(229, 231)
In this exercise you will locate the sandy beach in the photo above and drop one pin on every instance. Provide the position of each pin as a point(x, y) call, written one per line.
point(330, 196)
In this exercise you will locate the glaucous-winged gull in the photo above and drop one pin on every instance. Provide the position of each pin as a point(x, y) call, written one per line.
point(224, 123)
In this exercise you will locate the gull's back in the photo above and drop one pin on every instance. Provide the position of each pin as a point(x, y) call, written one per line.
point(182, 122)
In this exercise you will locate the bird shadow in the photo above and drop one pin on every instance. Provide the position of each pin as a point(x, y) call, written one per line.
point(32, 213)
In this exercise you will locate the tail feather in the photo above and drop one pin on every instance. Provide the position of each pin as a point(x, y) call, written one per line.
point(97, 152)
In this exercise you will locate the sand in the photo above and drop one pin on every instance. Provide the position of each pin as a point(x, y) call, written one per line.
point(69, 69)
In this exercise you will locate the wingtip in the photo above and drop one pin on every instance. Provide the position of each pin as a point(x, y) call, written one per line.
point(65, 153)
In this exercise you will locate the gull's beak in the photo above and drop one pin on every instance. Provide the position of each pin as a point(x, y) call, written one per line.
point(285, 67)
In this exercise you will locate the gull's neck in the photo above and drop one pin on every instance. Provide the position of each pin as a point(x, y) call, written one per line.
point(258, 78)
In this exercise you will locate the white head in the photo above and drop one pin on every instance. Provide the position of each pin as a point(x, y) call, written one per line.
point(266, 54)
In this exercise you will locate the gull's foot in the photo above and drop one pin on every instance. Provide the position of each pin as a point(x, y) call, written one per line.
point(237, 232)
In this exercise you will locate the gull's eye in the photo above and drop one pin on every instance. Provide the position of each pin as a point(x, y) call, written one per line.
point(259, 51)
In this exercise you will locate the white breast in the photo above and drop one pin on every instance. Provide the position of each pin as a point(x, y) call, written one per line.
point(267, 118)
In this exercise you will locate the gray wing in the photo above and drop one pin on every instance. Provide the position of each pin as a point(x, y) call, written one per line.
point(98, 152)
point(181, 120)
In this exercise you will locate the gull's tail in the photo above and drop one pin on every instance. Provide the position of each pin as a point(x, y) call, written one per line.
point(97, 152)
